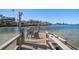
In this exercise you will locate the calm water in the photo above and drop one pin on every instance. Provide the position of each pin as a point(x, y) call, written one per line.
point(68, 32)
point(7, 33)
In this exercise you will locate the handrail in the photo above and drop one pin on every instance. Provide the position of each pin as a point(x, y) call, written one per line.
point(51, 46)
point(2, 47)
point(65, 42)
point(62, 45)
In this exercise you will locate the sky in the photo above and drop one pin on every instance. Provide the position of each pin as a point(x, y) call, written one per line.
point(70, 16)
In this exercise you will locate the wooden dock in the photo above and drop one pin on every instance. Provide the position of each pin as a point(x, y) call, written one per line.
point(36, 43)
point(46, 41)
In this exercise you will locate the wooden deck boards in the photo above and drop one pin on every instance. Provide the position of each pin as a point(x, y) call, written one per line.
point(41, 43)
point(36, 44)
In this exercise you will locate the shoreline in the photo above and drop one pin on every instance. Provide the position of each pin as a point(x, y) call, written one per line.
point(23, 26)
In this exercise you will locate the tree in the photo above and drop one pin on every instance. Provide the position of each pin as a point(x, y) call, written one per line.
point(1, 17)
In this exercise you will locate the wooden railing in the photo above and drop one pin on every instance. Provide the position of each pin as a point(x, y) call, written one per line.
point(51, 46)
point(10, 42)
point(60, 44)
point(65, 42)
point(61, 39)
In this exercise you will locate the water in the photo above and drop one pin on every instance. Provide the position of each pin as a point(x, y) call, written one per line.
point(68, 32)
point(6, 33)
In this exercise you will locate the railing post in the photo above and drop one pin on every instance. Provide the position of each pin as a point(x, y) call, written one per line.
point(22, 35)
point(47, 34)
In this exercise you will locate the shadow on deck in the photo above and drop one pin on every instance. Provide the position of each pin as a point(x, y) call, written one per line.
point(37, 46)
point(23, 48)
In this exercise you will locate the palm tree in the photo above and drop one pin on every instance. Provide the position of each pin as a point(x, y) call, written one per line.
point(13, 12)
point(1, 17)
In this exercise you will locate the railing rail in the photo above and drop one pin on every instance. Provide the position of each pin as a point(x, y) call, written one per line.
point(65, 42)
point(4, 46)
point(51, 46)
point(62, 45)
